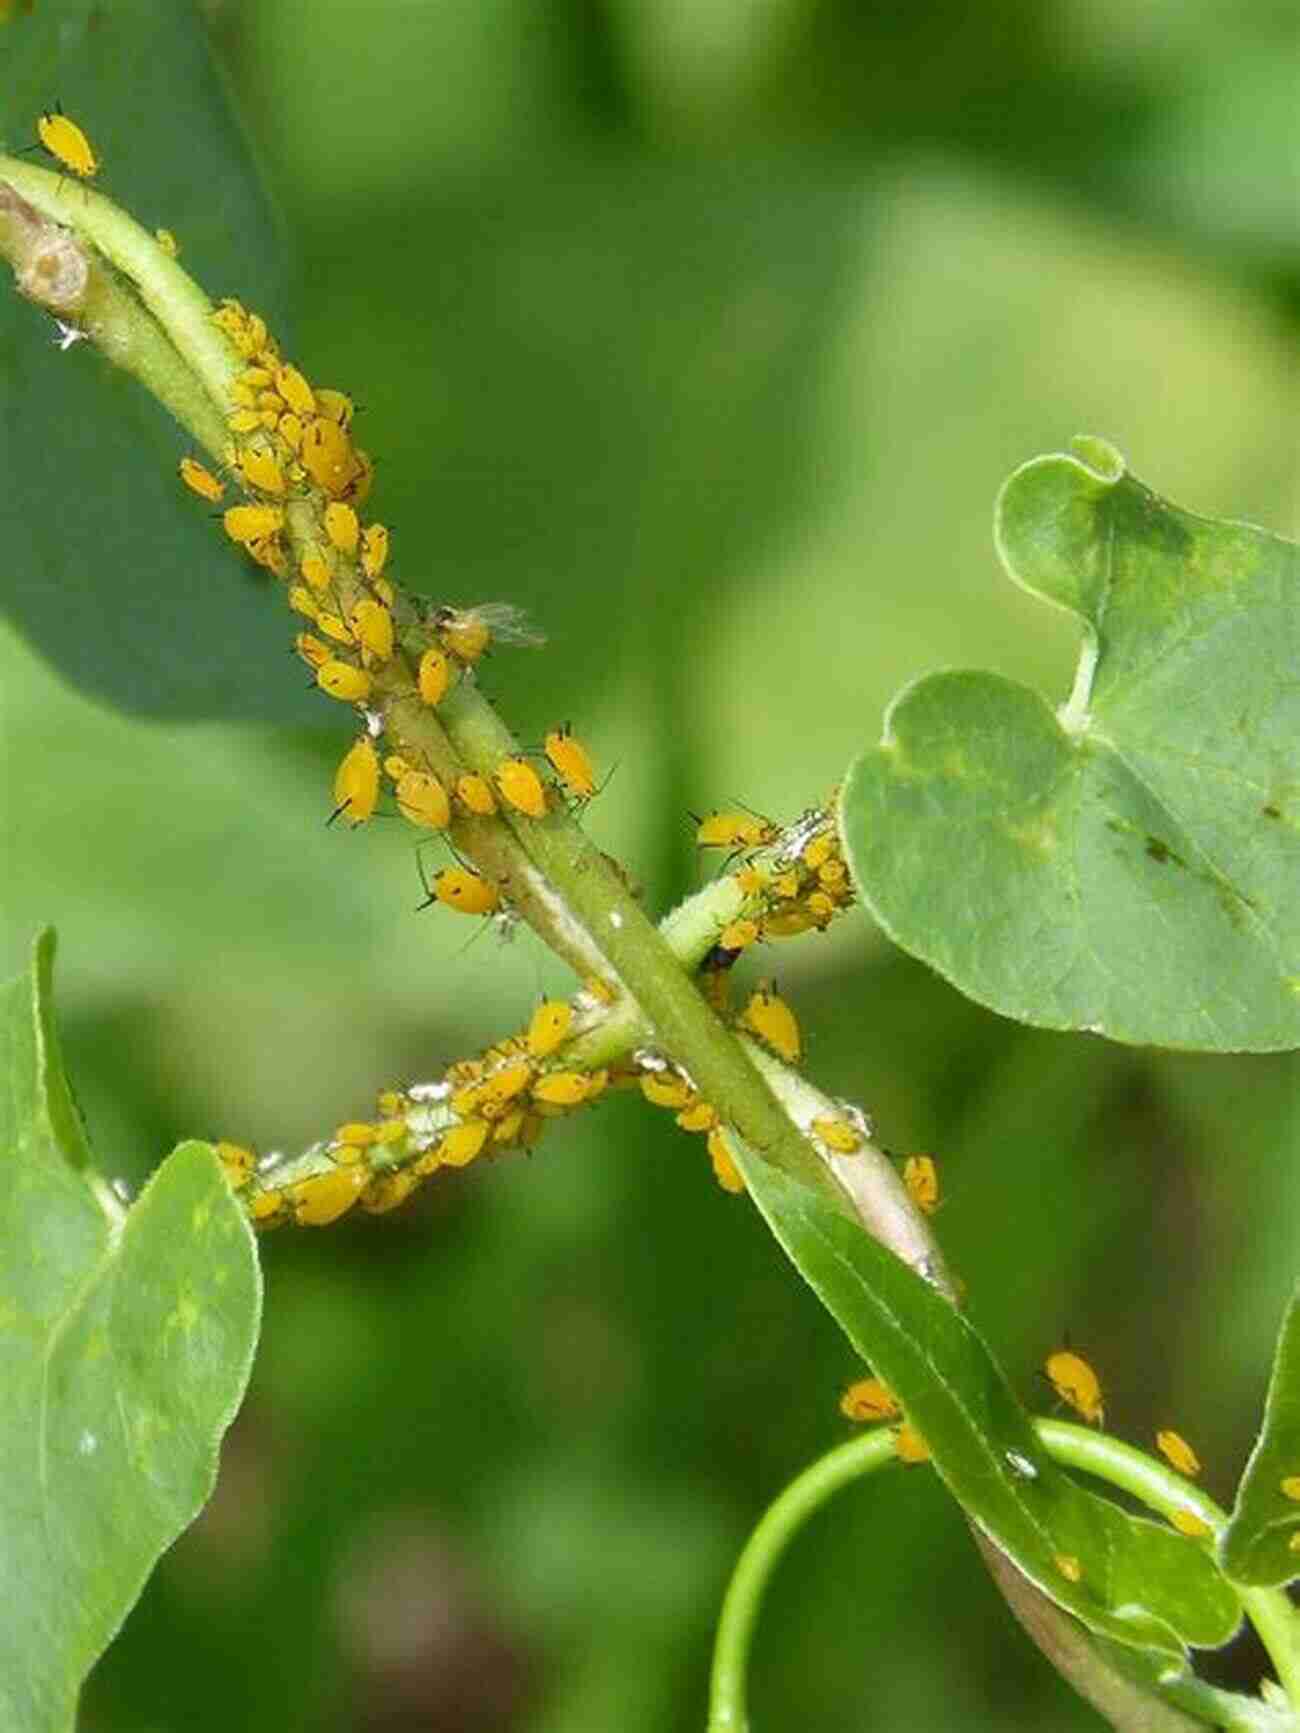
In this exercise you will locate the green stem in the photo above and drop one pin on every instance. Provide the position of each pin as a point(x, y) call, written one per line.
point(765, 1546)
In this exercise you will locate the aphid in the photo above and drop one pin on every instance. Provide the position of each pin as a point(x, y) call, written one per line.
point(248, 523)
point(821, 909)
point(327, 455)
point(1021, 1465)
point(372, 625)
point(324, 1197)
point(561, 1088)
point(507, 1128)
point(786, 886)
point(422, 798)
point(770, 1018)
point(261, 471)
point(837, 1134)
point(289, 428)
point(64, 140)
point(390, 1102)
point(1187, 1522)
point(725, 1171)
point(389, 1190)
point(1069, 1567)
point(168, 242)
point(458, 888)
point(336, 406)
point(832, 873)
point(302, 602)
point(510, 1081)
point(909, 1446)
point(547, 1027)
point(359, 483)
point(734, 830)
point(699, 1116)
point(475, 794)
point(341, 680)
point(786, 923)
point(356, 783)
point(200, 480)
point(921, 1177)
point(237, 1163)
point(1176, 1450)
point(1076, 1384)
point(244, 421)
point(818, 850)
point(268, 552)
point(738, 935)
point(1290, 1487)
point(604, 992)
point(868, 1399)
point(570, 761)
point(334, 627)
point(295, 391)
point(468, 632)
point(316, 571)
point(341, 527)
point(463, 1142)
point(356, 1134)
point(750, 881)
point(666, 1089)
point(434, 677)
point(384, 590)
point(267, 1207)
point(521, 786)
point(374, 550)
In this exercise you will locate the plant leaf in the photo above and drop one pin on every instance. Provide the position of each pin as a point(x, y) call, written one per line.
point(126, 1340)
point(1141, 1583)
point(1131, 866)
point(113, 570)
point(1255, 1546)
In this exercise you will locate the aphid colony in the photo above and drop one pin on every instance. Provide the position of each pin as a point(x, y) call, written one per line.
point(789, 882)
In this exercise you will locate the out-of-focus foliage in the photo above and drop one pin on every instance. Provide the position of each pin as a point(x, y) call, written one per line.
point(719, 377)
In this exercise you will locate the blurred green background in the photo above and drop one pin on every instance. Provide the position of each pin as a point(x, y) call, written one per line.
point(706, 330)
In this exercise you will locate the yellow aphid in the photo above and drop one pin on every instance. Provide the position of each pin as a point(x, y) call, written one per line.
point(266, 1207)
point(570, 761)
point(256, 334)
point(475, 794)
point(230, 318)
point(390, 1102)
point(1187, 1522)
point(389, 1190)
point(391, 1130)
point(832, 874)
point(786, 923)
point(434, 676)
point(341, 680)
point(699, 1116)
point(356, 1133)
point(1290, 1487)
point(422, 798)
point(510, 1081)
point(396, 766)
point(1069, 1567)
point(267, 551)
point(818, 850)
point(244, 421)
point(384, 590)
point(324, 1197)
point(837, 1134)
point(749, 881)
point(168, 242)
point(458, 888)
point(547, 1027)
point(463, 1142)
point(327, 455)
point(68, 145)
point(1176, 1450)
point(374, 550)
point(362, 477)
point(738, 935)
point(261, 471)
point(508, 1127)
point(1077, 1385)
point(289, 427)
point(921, 1177)
point(821, 909)
point(200, 480)
point(909, 1446)
point(725, 1171)
point(468, 632)
point(237, 1163)
point(666, 1089)
point(316, 571)
point(734, 830)
point(561, 1088)
point(521, 786)
point(868, 1399)
point(341, 527)
point(602, 991)
point(373, 625)
point(256, 378)
point(295, 391)
point(785, 885)
point(302, 602)
point(467, 1101)
point(769, 1017)
point(248, 523)
point(334, 627)
point(273, 401)
point(597, 1082)
point(336, 406)
point(356, 784)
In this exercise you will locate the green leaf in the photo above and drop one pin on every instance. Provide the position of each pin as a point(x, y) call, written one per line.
point(112, 569)
point(125, 1345)
point(1255, 1547)
point(1131, 865)
point(1141, 1583)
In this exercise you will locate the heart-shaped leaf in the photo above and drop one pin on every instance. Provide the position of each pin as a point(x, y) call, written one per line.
point(1126, 1578)
point(1261, 1544)
point(126, 1339)
point(1131, 865)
